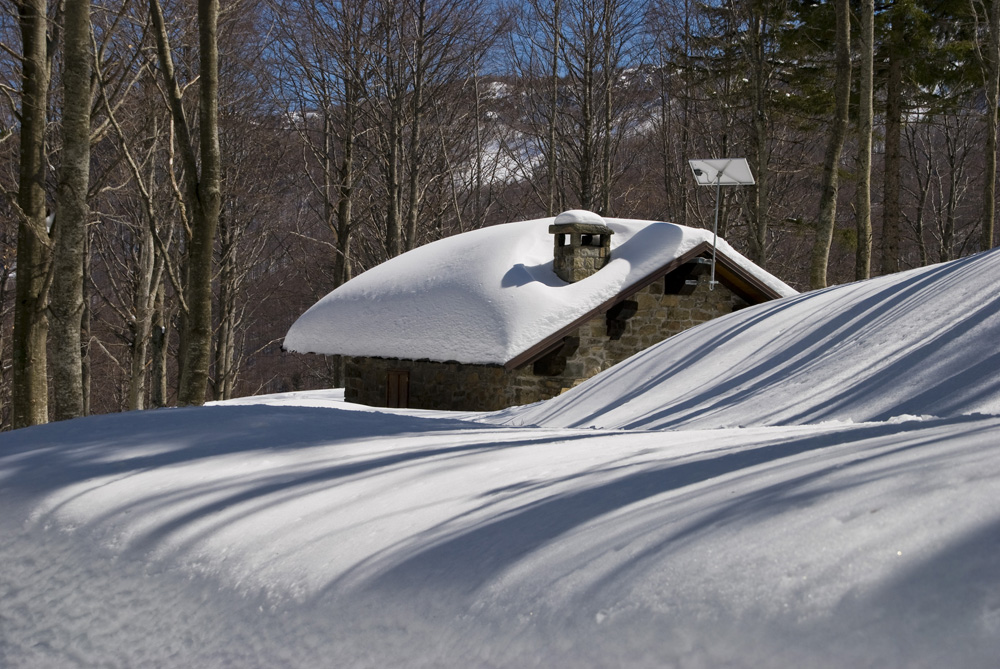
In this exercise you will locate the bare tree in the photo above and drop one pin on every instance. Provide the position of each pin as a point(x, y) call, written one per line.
point(835, 143)
point(940, 149)
point(554, 202)
point(674, 26)
point(534, 58)
point(863, 195)
point(986, 17)
point(762, 21)
point(577, 58)
point(202, 186)
point(66, 304)
point(891, 175)
point(253, 185)
point(326, 53)
point(29, 381)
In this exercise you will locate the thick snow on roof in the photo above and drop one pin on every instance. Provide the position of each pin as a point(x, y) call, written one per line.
point(908, 343)
point(487, 295)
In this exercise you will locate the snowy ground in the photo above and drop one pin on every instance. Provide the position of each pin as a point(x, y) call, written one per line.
point(915, 343)
point(300, 531)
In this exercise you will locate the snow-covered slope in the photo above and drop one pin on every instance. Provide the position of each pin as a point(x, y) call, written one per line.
point(305, 532)
point(486, 295)
point(909, 343)
point(270, 536)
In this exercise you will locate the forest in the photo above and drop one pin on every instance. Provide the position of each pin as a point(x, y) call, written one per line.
point(179, 180)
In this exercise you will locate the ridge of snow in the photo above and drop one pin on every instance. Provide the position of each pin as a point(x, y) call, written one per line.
point(907, 344)
point(487, 295)
point(266, 536)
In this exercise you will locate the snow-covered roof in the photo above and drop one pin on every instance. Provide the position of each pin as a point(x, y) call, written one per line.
point(488, 295)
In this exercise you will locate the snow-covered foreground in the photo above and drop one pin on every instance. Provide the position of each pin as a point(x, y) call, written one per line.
point(264, 536)
point(300, 531)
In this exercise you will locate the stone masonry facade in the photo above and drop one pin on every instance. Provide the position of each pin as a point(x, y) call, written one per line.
point(646, 318)
point(581, 249)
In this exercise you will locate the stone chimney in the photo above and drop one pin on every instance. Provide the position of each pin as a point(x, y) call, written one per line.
point(582, 244)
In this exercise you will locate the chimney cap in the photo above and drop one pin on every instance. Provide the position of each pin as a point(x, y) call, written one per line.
point(580, 220)
point(579, 216)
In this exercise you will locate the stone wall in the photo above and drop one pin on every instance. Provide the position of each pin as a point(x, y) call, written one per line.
point(432, 385)
point(581, 249)
point(658, 316)
point(581, 261)
point(455, 386)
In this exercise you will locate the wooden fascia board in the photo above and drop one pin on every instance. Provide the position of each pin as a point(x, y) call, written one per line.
point(742, 282)
point(733, 275)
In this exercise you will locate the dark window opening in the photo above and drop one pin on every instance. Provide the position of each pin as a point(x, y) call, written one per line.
point(618, 316)
point(591, 240)
point(553, 363)
point(561, 240)
point(684, 279)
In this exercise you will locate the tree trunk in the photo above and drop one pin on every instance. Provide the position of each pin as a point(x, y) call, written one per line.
point(5, 277)
point(831, 163)
point(393, 137)
point(393, 222)
point(158, 357)
point(863, 197)
point(66, 304)
point(991, 72)
point(202, 193)
point(416, 121)
point(198, 291)
point(553, 157)
point(893, 157)
point(956, 175)
point(586, 164)
point(142, 323)
point(225, 340)
point(607, 120)
point(759, 157)
point(687, 105)
point(342, 263)
point(85, 321)
point(29, 402)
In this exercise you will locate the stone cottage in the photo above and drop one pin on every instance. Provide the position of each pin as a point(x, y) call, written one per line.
point(517, 313)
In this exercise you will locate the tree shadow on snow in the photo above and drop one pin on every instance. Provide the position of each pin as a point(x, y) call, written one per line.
point(465, 559)
point(957, 376)
point(41, 459)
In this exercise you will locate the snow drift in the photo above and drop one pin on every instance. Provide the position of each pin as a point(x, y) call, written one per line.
point(906, 344)
point(265, 536)
point(275, 535)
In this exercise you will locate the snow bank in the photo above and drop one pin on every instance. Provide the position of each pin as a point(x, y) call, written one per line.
point(300, 537)
point(485, 296)
point(920, 342)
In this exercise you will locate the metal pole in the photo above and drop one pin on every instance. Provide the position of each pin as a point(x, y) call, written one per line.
point(715, 229)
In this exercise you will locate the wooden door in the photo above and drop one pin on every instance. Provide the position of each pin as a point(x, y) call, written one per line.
point(397, 393)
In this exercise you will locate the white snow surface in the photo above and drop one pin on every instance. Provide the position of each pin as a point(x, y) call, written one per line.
point(904, 344)
point(298, 530)
point(487, 295)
